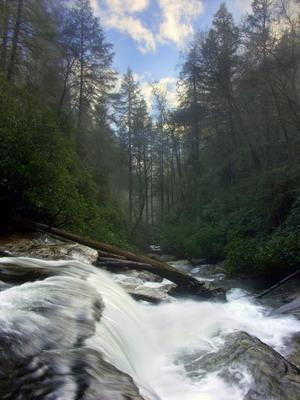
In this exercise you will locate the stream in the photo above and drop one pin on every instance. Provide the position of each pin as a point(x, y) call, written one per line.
point(176, 350)
point(185, 328)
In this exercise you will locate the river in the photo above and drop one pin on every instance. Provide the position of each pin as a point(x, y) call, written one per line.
point(162, 347)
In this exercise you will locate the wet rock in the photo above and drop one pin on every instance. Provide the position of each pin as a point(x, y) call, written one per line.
point(129, 283)
point(46, 338)
point(292, 308)
point(245, 358)
point(145, 276)
point(47, 247)
point(4, 286)
point(211, 270)
point(144, 289)
point(217, 294)
point(155, 248)
point(184, 265)
point(294, 350)
point(152, 295)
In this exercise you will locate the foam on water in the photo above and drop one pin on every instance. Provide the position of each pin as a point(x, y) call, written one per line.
point(145, 341)
point(184, 326)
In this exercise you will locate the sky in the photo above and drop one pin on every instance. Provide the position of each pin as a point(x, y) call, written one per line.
point(149, 36)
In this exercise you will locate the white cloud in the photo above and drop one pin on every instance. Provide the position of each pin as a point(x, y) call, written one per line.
point(173, 23)
point(127, 5)
point(177, 20)
point(146, 90)
point(133, 27)
point(123, 15)
point(167, 85)
point(244, 5)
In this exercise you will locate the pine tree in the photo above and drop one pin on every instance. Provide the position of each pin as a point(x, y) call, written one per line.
point(220, 54)
point(127, 107)
point(92, 66)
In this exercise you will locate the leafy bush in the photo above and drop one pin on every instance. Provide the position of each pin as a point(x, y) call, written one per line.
point(241, 256)
point(207, 242)
point(188, 241)
point(41, 176)
point(270, 256)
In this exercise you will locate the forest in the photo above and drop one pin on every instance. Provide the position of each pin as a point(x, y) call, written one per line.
point(215, 178)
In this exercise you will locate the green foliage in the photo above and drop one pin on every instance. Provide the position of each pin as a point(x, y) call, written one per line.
point(41, 176)
point(241, 255)
point(242, 237)
point(270, 255)
point(188, 241)
point(207, 242)
point(237, 125)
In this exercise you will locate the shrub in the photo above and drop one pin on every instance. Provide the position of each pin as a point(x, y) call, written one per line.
point(207, 242)
point(241, 256)
point(271, 256)
point(41, 176)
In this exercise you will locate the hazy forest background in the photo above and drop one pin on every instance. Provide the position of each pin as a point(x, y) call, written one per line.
point(216, 178)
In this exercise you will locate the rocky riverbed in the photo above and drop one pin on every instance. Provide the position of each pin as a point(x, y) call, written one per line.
point(263, 367)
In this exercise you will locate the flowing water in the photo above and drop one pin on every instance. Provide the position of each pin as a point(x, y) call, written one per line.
point(185, 327)
point(145, 341)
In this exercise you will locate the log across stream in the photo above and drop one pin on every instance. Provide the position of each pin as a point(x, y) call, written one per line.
point(68, 330)
point(114, 257)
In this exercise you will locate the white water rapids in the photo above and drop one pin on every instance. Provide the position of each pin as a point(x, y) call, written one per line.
point(185, 326)
point(145, 341)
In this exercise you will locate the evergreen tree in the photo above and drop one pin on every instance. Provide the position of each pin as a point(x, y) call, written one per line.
point(128, 103)
point(220, 55)
point(91, 63)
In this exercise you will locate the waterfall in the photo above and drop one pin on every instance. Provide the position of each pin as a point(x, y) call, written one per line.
point(57, 305)
point(56, 315)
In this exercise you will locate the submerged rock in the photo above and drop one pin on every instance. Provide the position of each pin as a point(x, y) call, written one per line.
point(245, 361)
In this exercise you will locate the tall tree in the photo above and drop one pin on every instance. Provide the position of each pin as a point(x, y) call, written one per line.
point(93, 62)
point(15, 39)
point(127, 107)
point(220, 55)
point(4, 31)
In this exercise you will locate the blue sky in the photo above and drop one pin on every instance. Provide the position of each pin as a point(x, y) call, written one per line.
point(150, 35)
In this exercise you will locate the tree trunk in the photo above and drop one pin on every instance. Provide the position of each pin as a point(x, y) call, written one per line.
point(15, 41)
point(130, 186)
point(146, 183)
point(151, 190)
point(80, 102)
point(4, 33)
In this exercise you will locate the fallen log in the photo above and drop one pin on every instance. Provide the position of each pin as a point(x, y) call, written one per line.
point(184, 281)
point(123, 264)
point(112, 259)
point(280, 283)
point(105, 254)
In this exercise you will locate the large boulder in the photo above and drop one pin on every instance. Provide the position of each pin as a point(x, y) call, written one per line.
point(49, 319)
point(242, 355)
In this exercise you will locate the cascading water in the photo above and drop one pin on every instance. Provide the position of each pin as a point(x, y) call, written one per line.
point(70, 305)
point(189, 327)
